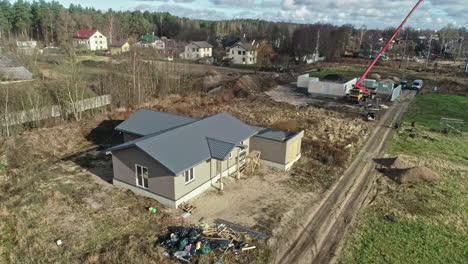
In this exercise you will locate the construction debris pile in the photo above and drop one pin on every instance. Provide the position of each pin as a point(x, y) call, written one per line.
point(185, 243)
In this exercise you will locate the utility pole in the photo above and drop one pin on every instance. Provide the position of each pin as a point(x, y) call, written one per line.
point(316, 53)
point(466, 66)
point(406, 46)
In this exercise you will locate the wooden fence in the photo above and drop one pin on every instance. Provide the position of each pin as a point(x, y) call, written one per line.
point(42, 113)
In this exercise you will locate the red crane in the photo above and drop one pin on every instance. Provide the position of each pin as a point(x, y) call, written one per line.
point(358, 85)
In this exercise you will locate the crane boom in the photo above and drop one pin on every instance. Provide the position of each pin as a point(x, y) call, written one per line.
point(359, 82)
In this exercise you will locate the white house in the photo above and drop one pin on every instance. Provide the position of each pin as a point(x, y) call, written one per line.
point(198, 49)
point(242, 53)
point(90, 39)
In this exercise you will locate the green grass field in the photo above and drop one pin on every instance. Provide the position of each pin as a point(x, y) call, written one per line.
point(420, 223)
point(429, 108)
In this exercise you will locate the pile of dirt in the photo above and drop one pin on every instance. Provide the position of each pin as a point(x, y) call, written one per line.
point(404, 172)
point(395, 163)
point(418, 175)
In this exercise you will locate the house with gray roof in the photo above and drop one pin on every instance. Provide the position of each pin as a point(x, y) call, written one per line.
point(173, 158)
point(198, 49)
point(242, 52)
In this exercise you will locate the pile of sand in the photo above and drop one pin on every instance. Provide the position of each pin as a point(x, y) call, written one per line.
point(403, 171)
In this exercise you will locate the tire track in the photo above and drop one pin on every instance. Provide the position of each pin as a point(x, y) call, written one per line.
point(327, 224)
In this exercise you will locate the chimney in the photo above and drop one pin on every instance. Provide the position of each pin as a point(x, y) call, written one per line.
point(244, 35)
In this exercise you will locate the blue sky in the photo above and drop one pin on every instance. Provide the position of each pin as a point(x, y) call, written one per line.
point(372, 13)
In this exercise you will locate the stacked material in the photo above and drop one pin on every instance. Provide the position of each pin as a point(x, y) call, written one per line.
point(184, 243)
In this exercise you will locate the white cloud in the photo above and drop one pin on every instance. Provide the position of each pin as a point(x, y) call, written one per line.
point(238, 3)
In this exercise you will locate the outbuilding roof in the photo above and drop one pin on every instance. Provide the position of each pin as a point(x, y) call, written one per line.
point(15, 74)
point(117, 44)
point(84, 34)
point(182, 144)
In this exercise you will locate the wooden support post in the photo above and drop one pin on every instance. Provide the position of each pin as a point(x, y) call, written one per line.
point(221, 185)
point(238, 161)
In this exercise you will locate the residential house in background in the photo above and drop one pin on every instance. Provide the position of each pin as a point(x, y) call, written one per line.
point(173, 158)
point(151, 41)
point(90, 40)
point(242, 51)
point(119, 47)
point(198, 49)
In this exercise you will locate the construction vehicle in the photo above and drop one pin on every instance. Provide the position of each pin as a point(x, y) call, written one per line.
point(361, 93)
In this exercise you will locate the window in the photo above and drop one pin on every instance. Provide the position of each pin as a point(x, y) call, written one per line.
point(193, 49)
point(189, 176)
point(239, 52)
point(250, 59)
point(141, 176)
point(95, 36)
point(96, 41)
point(232, 51)
point(243, 53)
point(230, 155)
point(100, 42)
point(243, 59)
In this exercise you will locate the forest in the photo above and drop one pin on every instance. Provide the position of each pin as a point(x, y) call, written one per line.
point(52, 24)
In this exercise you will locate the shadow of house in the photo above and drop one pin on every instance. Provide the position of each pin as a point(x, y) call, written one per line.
point(95, 160)
point(105, 134)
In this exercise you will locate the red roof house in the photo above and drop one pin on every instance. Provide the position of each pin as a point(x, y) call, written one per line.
point(84, 34)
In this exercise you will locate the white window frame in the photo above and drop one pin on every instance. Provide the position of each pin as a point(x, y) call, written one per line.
point(142, 176)
point(230, 155)
point(191, 175)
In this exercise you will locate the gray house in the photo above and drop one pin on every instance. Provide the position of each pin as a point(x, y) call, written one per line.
point(172, 158)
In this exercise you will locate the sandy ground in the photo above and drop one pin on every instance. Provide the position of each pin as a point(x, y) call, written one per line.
point(288, 94)
point(251, 200)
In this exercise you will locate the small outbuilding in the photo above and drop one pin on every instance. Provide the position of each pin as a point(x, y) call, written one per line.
point(119, 47)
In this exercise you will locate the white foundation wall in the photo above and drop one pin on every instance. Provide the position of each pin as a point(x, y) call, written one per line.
point(330, 88)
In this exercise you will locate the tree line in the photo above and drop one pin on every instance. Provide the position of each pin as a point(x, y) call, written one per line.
point(53, 24)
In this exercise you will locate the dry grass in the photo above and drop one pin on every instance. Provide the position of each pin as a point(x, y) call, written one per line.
point(45, 196)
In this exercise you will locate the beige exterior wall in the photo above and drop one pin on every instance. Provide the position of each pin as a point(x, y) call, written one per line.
point(271, 150)
point(123, 49)
point(293, 147)
point(282, 153)
point(202, 174)
point(160, 180)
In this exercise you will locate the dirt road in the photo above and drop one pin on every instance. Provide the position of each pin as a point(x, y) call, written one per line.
point(319, 239)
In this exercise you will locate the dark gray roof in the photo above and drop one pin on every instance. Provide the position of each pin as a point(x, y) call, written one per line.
point(186, 146)
point(15, 74)
point(202, 44)
point(274, 134)
point(146, 122)
point(246, 46)
point(219, 149)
